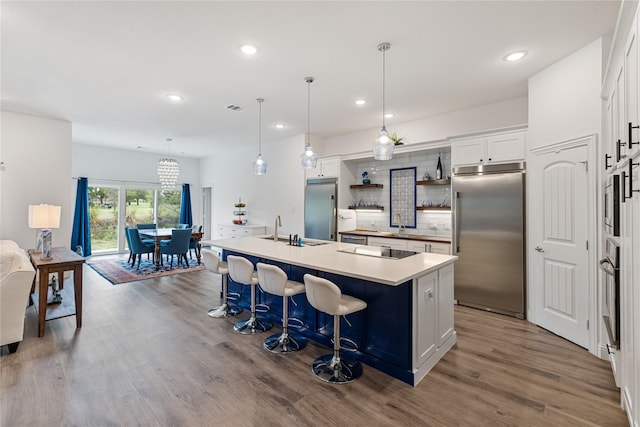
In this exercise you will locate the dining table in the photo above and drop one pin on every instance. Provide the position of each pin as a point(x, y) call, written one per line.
point(160, 234)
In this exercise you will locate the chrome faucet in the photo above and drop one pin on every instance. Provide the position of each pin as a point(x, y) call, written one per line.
point(278, 224)
point(401, 226)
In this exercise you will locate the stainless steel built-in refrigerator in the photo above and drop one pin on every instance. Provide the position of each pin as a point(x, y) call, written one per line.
point(489, 237)
point(320, 209)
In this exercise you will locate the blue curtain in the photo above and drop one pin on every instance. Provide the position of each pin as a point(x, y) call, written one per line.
point(81, 234)
point(185, 206)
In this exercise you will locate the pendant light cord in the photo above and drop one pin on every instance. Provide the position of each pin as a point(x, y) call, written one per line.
point(383, 85)
point(309, 80)
point(260, 100)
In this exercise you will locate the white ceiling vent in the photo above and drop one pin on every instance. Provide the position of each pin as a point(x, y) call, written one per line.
point(233, 107)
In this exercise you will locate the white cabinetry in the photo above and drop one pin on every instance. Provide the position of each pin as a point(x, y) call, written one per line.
point(386, 242)
point(232, 231)
point(433, 332)
point(411, 245)
point(488, 149)
point(325, 168)
point(430, 247)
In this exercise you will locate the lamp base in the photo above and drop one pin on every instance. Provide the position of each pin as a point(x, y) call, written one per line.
point(46, 245)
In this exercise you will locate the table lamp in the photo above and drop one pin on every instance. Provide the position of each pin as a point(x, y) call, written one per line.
point(44, 217)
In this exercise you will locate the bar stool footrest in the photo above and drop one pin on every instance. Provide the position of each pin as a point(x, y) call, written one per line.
point(280, 343)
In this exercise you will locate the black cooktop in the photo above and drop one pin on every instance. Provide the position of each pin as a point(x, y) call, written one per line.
point(379, 252)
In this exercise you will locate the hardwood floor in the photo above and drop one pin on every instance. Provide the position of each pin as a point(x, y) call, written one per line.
point(148, 354)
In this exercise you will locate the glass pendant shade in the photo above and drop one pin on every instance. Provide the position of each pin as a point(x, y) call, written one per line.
point(383, 146)
point(308, 159)
point(168, 172)
point(260, 165)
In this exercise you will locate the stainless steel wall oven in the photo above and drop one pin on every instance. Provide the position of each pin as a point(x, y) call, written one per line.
point(611, 306)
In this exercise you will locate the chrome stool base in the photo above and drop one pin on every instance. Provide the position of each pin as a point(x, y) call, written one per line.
point(224, 310)
point(281, 343)
point(252, 326)
point(340, 371)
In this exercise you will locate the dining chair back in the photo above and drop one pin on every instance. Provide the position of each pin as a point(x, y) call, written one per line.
point(178, 245)
point(138, 247)
point(146, 226)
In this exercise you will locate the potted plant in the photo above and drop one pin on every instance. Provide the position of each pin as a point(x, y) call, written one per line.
point(397, 140)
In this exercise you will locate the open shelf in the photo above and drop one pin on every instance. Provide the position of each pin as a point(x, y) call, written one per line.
point(368, 208)
point(434, 182)
point(433, 208)
point(367, 186)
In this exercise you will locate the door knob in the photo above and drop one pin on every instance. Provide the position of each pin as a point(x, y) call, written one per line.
point(539, 249)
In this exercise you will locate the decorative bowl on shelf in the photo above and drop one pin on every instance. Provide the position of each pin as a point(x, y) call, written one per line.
point(240, 221)
point(240, 205)
point(239, 213)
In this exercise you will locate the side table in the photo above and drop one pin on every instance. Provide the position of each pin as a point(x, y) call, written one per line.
point(63, 259)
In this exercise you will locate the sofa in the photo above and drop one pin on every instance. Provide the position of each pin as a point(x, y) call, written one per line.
point(16, 278)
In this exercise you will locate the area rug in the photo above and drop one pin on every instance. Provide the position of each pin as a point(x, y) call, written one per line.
point(118, 270)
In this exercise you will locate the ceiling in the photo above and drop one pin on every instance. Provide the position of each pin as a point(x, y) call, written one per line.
point(107, 66)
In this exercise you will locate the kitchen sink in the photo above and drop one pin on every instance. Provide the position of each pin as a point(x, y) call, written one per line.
point(280, 239)
point(304, 242)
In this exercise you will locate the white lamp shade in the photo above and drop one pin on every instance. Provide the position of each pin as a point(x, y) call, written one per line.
point(44, 216)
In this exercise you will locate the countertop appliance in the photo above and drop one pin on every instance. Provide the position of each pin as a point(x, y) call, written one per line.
point(489, 237)
point(320, 209)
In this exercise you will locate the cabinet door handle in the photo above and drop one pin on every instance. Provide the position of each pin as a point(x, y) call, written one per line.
point(619, 146)
point(539, 249)
point(606, 161)
point(631, 143)
point(631, 190)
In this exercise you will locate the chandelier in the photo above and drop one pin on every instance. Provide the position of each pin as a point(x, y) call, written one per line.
point(168, 171)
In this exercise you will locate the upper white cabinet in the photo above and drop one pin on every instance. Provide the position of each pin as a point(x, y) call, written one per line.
point(326, 168)
point(488, 149)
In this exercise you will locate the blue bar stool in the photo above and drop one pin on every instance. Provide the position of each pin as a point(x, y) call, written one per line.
point(241, 271)
point(214, 265)
point(326, 297)
point(274, 281)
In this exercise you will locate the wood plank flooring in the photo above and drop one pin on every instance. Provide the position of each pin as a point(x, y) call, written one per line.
point(148, 355)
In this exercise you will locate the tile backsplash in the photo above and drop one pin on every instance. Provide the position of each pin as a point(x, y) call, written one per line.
point(437, 223)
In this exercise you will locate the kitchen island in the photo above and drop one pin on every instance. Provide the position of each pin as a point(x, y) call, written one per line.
point(407, 326)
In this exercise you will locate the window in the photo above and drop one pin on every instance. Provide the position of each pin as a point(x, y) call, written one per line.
point(103, 216)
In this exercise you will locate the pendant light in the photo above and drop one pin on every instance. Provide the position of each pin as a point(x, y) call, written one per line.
point(168, 171)
point(383, 145)
point(308, 159)
point(259, 165)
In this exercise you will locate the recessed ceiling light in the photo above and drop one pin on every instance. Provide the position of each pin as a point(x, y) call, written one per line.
point(389, 115)
point(174, 97)
point(280, 126)
point(360, 102)
point(515, 56)
point(248, 49)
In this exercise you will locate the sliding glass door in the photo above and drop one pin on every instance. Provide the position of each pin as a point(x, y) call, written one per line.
point(141, 206)
point(104, 206)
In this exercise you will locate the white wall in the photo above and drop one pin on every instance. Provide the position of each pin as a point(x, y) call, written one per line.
point(36, 156)
point(498, 115)
point(564, 99)
point(279, 192)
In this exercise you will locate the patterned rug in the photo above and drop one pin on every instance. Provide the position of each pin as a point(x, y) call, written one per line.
point(118, 270)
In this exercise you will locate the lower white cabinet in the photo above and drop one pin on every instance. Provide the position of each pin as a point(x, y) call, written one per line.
point(411, 245)
point(386, 242)
point(433, 319)
point(232, 231)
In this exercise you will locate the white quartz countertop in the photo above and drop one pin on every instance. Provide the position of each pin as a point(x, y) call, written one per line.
point(327, 258)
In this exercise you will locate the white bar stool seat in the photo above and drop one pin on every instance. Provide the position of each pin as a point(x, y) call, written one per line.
point(326, 297)
point(213, 264)
point(274, 281)
point(241, 271)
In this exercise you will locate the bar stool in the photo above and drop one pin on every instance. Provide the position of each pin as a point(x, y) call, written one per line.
point(326, 297)
point(241, 271)
point(214, 265)
point(274, 281)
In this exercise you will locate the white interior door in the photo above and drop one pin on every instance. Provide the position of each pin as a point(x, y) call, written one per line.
point(559, 273)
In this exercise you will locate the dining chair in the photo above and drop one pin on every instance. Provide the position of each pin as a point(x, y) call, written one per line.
point(178, 245)
point(126, 235)
point(138, 247)
point(193, 243)
point(146, 226)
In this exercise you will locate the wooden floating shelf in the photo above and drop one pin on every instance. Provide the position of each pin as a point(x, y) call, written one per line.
point(367, 186)
point(434, 182)
point(369, 208)
point(433, 208)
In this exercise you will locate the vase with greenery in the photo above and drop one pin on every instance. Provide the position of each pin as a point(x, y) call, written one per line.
point(397, 140)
